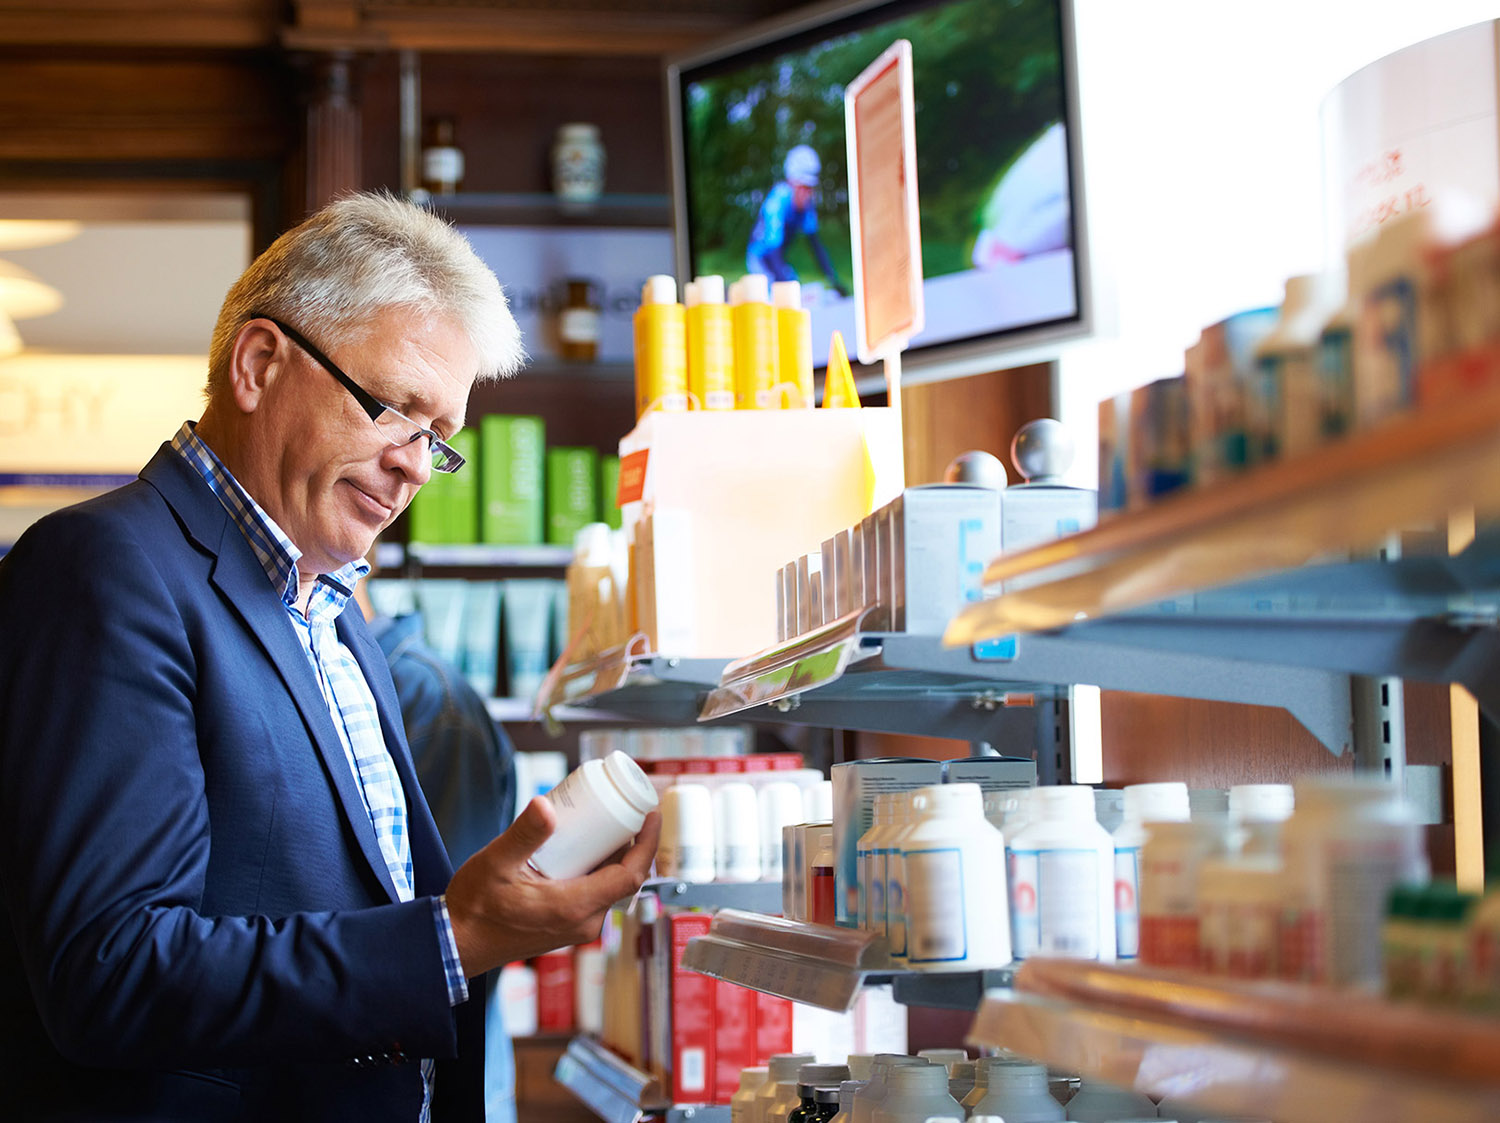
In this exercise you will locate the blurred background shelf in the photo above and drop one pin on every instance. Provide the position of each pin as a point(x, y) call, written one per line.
point(751, 896)
point(1290, 1053)
point(481, 208)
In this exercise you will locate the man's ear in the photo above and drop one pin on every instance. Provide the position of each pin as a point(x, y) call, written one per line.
point(254, 364)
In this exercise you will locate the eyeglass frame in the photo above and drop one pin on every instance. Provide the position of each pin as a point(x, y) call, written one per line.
point(453, 460)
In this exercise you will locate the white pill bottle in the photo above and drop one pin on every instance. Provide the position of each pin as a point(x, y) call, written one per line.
point(1062, 879)
point(600, 806)
point(957, 919)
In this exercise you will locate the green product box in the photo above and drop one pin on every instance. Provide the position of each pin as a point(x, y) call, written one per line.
point(445, 511)
point(609, 491)
point(572, 492)
point(512, 502)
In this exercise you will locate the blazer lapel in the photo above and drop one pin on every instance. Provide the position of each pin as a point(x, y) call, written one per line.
point(238, 575)
point(428, 855)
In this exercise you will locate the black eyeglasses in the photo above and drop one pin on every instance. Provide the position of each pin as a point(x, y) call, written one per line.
point(398, 429)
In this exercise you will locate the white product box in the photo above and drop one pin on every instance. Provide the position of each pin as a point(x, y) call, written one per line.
point(855, 785)
point(942, 537)
point(991, 773)
point(1031, 514)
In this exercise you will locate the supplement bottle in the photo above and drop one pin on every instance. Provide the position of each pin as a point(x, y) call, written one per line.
point(982, 1069)
point(754, 326)
point(1018, 1093)
point(1169, 890)
point(660, 348)
point(1256, 813)
point(847, 1091)
point(1350, 840)
point(794, 361)
point(895, 882)
point(821, 891)
point(955, 891)
point(780, 806)
point(687, 834)
point(1098, 1102)
point(1062, 879)
point(742, 1103)
point(710, 343)
point(736, 833)
point(781, 1069)
point(1239, 901)
point(870, 860)
point(917, 1092)
point(814, 1079)
point(600, 806)
point(870, 1096)
point(1144, 803)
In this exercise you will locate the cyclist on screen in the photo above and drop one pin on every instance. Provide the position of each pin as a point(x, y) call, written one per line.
point(788, 211)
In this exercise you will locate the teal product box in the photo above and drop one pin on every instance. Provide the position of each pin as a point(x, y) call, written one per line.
point(512, 453)
point(942, 537)
point(609, 492)
point(445, 510)
point(442, 602)
point(481, 637)
point(855, 785)
point(527, 634)
point(572, 492)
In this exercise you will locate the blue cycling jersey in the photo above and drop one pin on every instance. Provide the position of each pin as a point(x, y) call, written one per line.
point(779, 222)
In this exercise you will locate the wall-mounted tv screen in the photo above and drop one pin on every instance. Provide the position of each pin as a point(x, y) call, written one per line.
point(760, 166)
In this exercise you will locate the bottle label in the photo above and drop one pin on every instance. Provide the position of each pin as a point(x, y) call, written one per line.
point(1055, 903)
point(1127, 901)
point(718, 399)
point(895, 907)
point(935, 907)
point(578, 325)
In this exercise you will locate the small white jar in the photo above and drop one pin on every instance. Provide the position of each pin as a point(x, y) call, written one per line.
point(687, 834)
point(1062, 879)
point(578, 163)
point(736, 833)
point(600, 806)
point(955, 883)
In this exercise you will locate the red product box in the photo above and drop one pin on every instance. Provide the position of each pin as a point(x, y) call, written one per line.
point(759, 762)
point(729, 764)
point(692, 1044)
point(734, 1037)
point(666, 767)
point(785, 762)
point(693, 765)
point(554, 991)
point(773, 1026)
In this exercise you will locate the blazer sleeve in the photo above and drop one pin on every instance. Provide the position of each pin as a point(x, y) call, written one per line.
point(105, 843)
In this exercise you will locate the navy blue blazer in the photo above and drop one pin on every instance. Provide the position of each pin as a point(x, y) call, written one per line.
point(198, 921)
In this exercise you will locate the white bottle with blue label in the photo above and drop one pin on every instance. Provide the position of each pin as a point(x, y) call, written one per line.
point(1062, 879)
point(955, 907)
point(1144, 803)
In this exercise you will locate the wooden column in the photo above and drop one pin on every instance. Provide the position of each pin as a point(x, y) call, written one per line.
point(333, 142)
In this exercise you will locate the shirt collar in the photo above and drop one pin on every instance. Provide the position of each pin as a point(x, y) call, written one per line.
point(276, 552)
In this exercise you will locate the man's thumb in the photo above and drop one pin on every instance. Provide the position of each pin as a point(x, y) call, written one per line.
point(532, 827)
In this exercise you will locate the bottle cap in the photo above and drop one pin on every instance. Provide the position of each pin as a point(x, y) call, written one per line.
point(710, 288)
point(860, 1065)
point(592, 545)
point(690, 295)
point(786, 294)
point(1260, 803)
point(660, 288)
point(1156, 803)
point(847, 1091)
point(753, 1077)
point(784, 1066)
point(630, 781)
point(754, 289)
point(945, 1057)
point(1063, 802)
point(944, 801)
point(822, 1075)
point(918, 1078)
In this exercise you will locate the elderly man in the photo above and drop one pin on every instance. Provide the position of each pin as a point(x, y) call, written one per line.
point(225, 896)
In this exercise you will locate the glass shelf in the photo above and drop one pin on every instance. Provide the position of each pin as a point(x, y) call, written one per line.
point(1340, 502)
point(1290, 1053)
point(613, 1090)
point(546, 209)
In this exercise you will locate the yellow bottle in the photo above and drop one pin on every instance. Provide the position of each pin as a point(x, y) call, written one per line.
point(754, 343)
point(660, 348)
point(794, 363)
point(710, 336)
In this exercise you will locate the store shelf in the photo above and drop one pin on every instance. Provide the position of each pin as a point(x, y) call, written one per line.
point(630, 682)
point(523, 709)
point(546, 209)
point(809, 963)
point(393, 555)
point(1341, 501)
point(897, 683)
point(749, 896)
point(613, 1090)
point(1276, 1051)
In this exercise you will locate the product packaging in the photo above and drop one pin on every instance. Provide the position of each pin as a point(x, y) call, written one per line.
point(1239, 904)
point(692, 1018)
point(528, 606)
point(1062, 879)
point(1158, 445)
point(511, 480)
point(1169, 863)
point(481, 635)
point(855, 784)
point(754, 328)
point(734, 1038)
point(1143, 803)
point(794, 362)
point(955, 897)
point(686, 851)
point(943, 535)
point(555, 981)
point(572, 492)
point(518, 999)
point(710, 338)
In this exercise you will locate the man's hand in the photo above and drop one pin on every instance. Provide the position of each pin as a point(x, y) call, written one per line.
point(503, 910)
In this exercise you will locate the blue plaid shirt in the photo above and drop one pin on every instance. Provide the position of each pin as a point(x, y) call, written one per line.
point(350, 703)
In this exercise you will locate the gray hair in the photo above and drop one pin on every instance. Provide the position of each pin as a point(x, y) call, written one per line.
point(358, 256)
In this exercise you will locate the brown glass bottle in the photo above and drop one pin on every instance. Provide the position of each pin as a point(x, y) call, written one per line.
point(578, 322)
point(442, 158)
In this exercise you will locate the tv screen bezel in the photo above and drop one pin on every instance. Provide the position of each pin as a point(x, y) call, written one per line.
point(996, 350)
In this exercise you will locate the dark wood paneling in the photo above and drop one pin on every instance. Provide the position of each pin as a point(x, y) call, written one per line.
point(159, 23)
point(578, 410)
point(507, 109)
